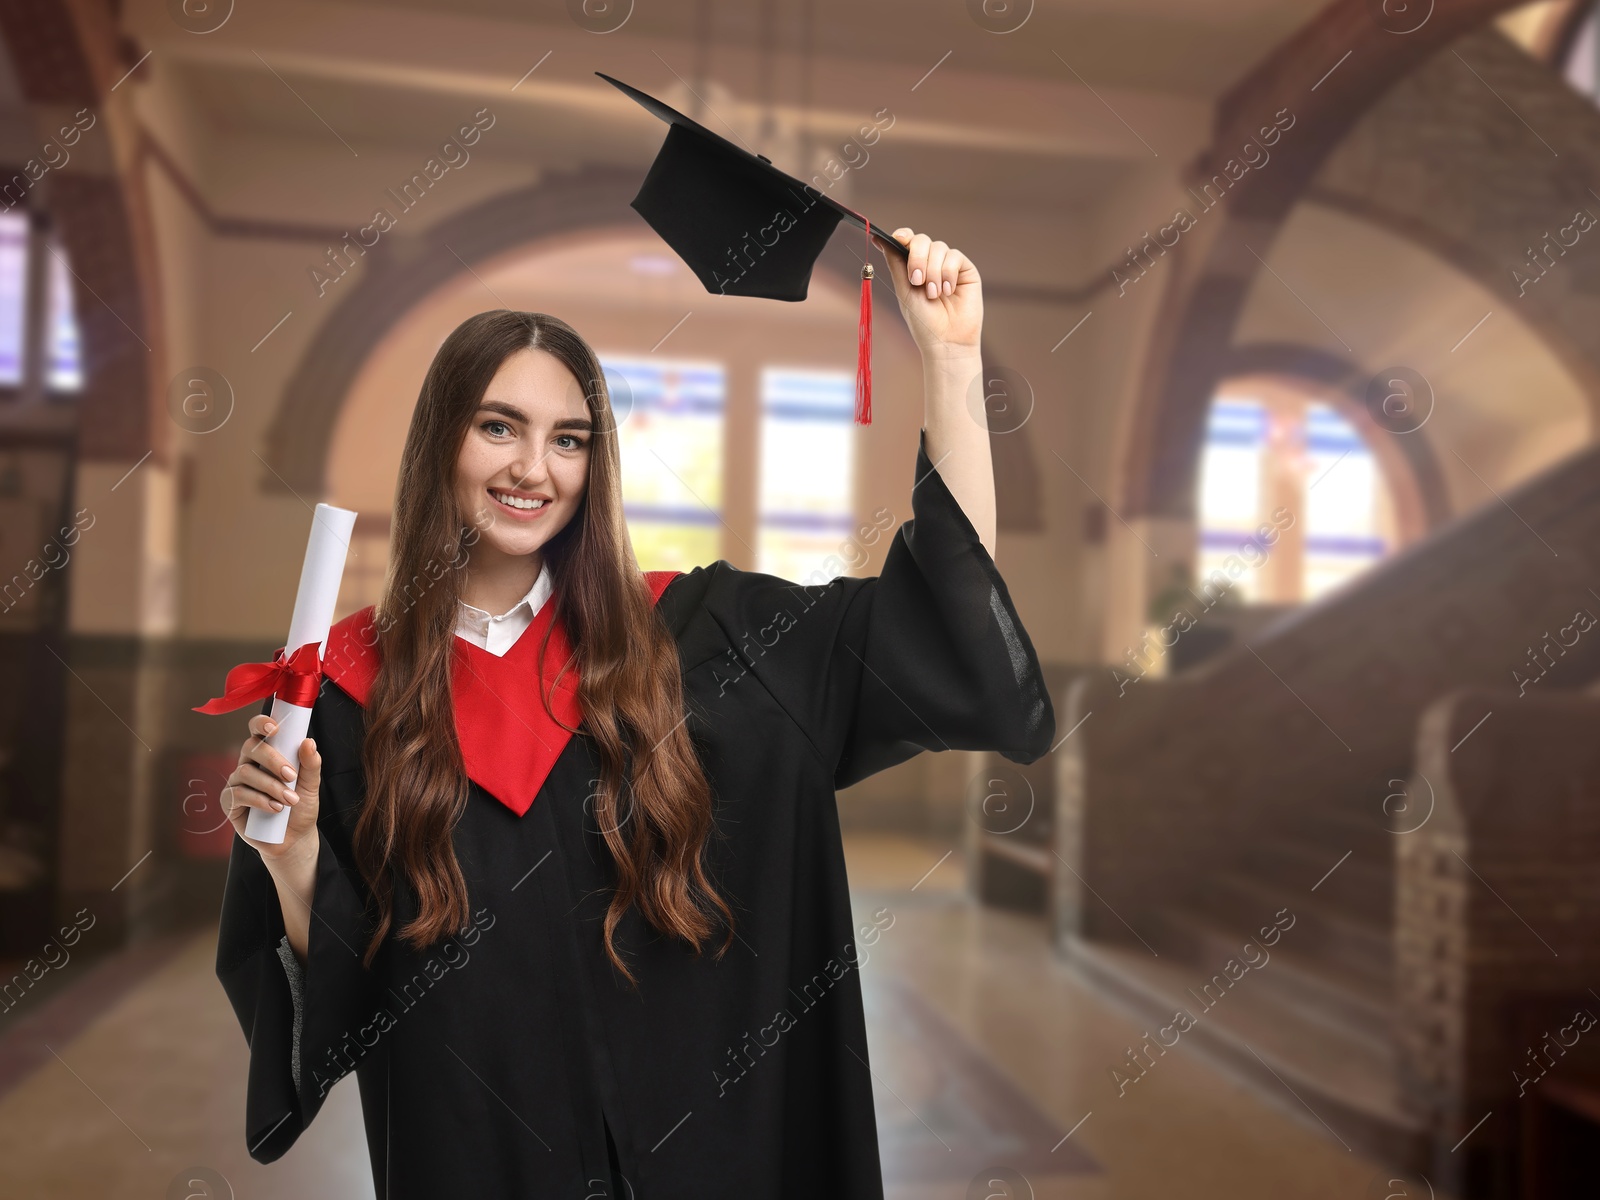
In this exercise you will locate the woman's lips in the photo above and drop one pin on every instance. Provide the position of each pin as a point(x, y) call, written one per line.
point(526, 514)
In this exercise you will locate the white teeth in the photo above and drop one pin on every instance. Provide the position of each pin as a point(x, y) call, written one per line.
point(515, 501)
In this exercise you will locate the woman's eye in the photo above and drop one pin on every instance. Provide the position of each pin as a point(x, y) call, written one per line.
point(573, 441)
point(490, 426)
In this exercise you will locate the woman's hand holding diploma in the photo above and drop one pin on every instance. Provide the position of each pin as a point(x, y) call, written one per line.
point(941, 298)
point(266, 780)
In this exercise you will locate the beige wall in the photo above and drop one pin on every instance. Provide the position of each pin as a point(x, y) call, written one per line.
point(224, 293)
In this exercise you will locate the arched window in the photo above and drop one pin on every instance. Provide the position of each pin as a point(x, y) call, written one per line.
point(1292, 501)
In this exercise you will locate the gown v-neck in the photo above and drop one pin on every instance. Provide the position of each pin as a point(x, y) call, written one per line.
point(508, 740)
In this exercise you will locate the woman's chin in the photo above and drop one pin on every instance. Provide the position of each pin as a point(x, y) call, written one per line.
point(515, 541)
point(514, 538)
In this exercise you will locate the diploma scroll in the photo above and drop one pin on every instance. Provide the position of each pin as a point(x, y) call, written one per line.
point(320, 576)
point(294, 676)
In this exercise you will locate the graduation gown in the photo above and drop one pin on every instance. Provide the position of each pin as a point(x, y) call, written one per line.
point(512, 1060)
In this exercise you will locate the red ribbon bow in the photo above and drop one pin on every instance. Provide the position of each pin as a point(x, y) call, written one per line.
point(296, 679)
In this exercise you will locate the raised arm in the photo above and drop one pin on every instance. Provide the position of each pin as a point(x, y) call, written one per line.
point(941, 297)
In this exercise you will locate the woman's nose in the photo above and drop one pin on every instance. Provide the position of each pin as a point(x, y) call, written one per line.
point(530, 471)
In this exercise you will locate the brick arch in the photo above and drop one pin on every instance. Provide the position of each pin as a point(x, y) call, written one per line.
point(593, 199)
point(1215, 267)
point(68, 54)
point(1479, 203)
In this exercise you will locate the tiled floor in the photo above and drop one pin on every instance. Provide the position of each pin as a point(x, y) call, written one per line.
point(992, 1067)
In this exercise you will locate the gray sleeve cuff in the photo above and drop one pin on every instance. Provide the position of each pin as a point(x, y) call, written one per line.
point(297, 989)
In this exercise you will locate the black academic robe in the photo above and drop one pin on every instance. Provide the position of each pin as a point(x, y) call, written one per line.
point(512, 1060)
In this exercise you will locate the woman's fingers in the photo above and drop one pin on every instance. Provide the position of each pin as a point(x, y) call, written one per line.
point(240, 795)
point(931, 266)
point(952, 271)
point(264, 779)
point(252, 776)
point(899, 267)
point(260, 727)
point(934, 271)
point(257, 750)
point(917, 262)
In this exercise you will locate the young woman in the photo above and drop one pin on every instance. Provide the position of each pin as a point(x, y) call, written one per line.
point(564, 885)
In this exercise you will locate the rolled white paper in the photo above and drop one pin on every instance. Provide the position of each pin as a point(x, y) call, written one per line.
point(313, 614)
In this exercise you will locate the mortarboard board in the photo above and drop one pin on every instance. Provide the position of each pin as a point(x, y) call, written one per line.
point(744, 227)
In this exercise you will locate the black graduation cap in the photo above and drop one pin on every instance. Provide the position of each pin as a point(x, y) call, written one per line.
point(744, 227)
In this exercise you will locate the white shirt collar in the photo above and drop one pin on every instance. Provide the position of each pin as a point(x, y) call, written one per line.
point(497, 634)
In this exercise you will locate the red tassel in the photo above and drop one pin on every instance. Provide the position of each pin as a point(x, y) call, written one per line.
point(864, 351)
point(864, 337)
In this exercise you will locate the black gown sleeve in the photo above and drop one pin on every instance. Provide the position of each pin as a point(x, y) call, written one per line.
point(929, 654)
point(306, 1025)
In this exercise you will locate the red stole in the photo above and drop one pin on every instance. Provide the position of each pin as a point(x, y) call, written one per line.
point(508, 741)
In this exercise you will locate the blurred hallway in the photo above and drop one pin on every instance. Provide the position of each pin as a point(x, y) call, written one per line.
point(1291, 388)
point(984, 1049)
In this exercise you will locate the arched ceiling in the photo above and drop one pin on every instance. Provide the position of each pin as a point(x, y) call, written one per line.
point(1219, 260)
point(1175, 45)
point(1504, 405)
point(1092, 91)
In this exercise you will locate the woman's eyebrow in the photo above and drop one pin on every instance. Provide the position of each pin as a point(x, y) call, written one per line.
point(504, 409)
point(516, 414)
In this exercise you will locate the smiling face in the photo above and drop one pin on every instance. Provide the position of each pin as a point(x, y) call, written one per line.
point(524, 464)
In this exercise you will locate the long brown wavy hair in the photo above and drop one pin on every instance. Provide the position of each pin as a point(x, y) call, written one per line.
point(653, 802)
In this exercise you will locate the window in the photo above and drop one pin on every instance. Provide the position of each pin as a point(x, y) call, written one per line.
point(64, 370)
point(1231, 477)
point(1582, 67)
point(13, 283)
point(66, 352)
point(1281, 460)
point(807, 470)
point(1343, 503)
point(670, 430)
